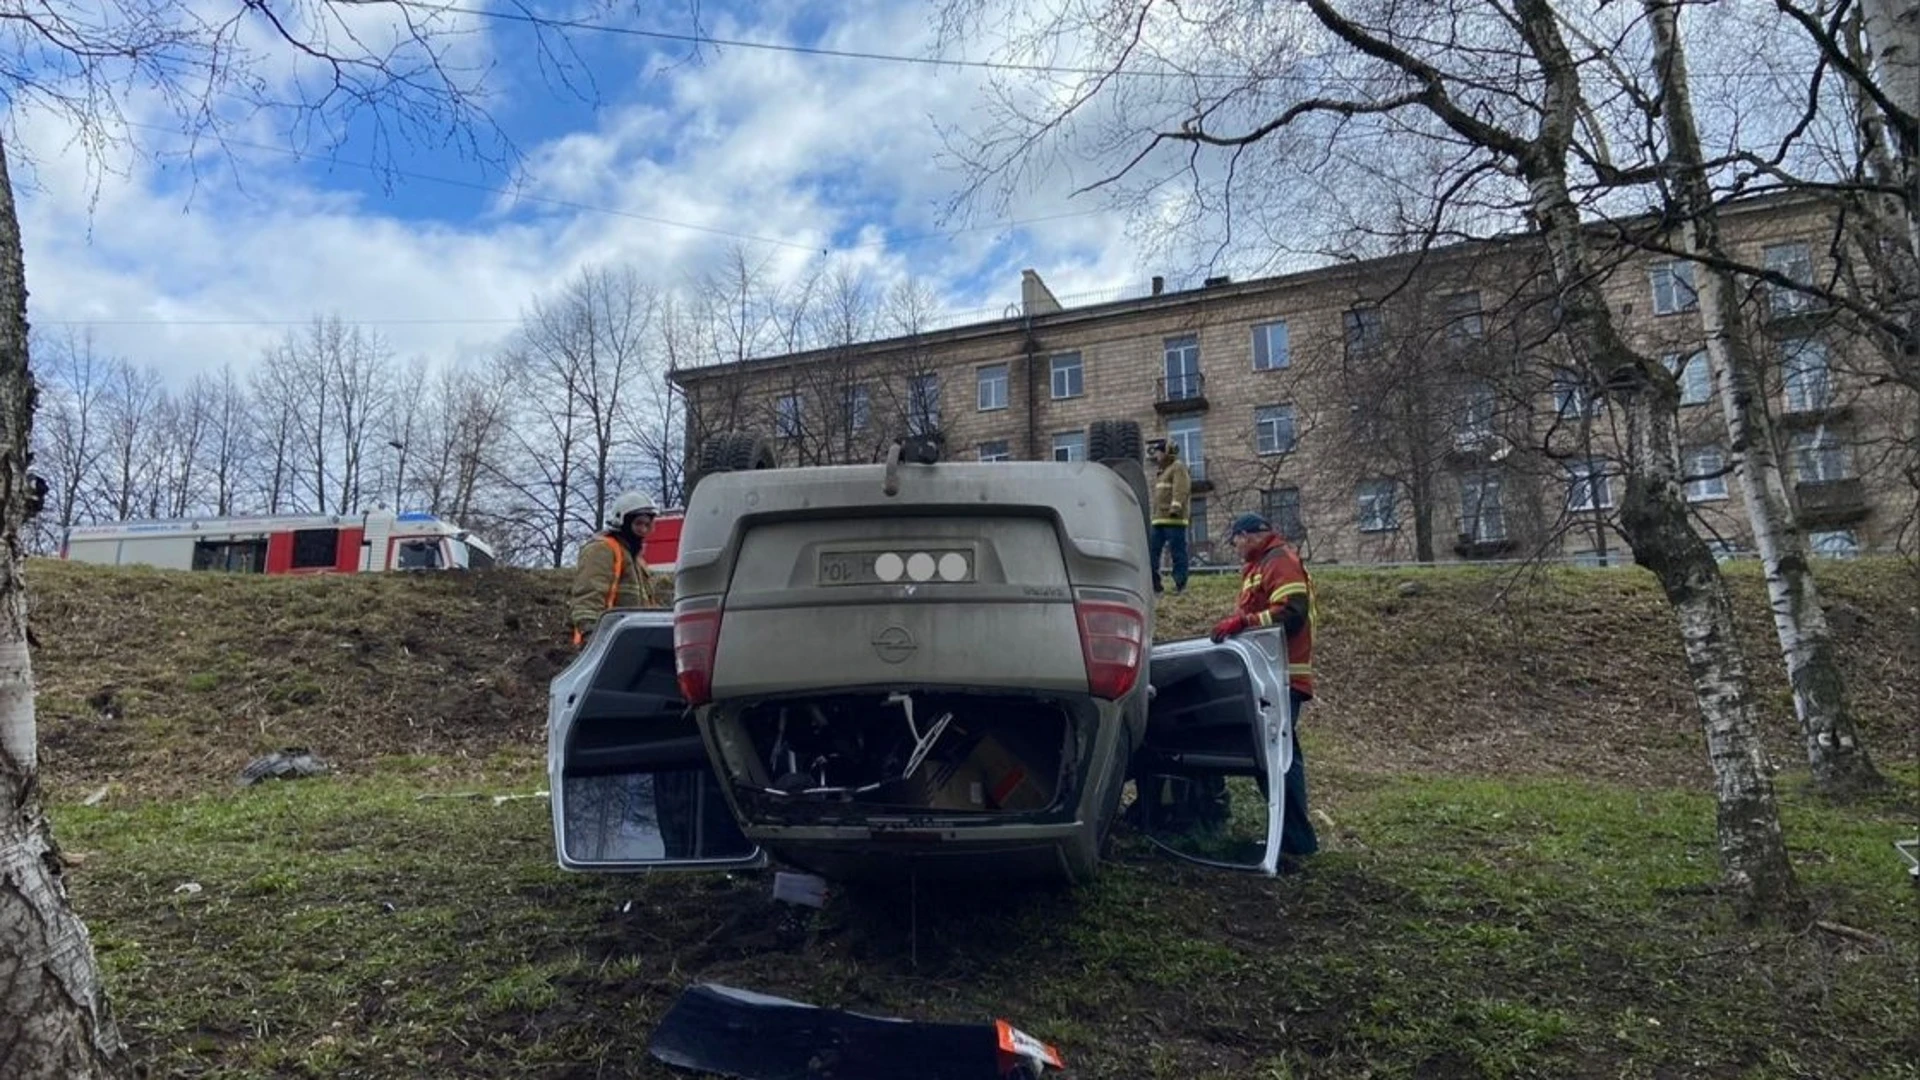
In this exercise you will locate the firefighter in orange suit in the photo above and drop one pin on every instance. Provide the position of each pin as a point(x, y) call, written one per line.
point(1276, 591)
point(610, 574)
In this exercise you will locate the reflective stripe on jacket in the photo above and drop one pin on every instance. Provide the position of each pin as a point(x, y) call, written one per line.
point(1172, 494)
point(607, 578)
point(1274, 574)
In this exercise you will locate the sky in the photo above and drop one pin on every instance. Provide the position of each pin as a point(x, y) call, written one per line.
point(665, 162)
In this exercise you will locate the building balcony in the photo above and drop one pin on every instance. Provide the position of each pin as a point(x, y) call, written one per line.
point(1832, 502)
point(1180, 394)
point(1809, 414)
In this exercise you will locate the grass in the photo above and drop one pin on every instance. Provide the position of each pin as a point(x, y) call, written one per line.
point(1517, 881)
point(1454, 927)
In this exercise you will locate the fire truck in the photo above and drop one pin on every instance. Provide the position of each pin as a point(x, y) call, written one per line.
point(661, 549)
point(376, 541)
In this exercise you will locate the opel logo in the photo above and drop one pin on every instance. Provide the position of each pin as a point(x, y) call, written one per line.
point(894, 644)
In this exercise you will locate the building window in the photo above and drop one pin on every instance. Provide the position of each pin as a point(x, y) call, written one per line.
point(1694, 374)
point(996, 450)
point(1464, 320)
point(1672, 287)
point(1588, 487)
point(1794, 262)
point(1706, 471)
point(1270, 346)
point(1819, 457)
point(1273, 429)
point(1483, 516)
point(1376, 499)
point(1183, 367)
point(1572, 396)
point(1478, 407)
point(1807, 378)
point(316, 549)
point(1069, 376)
point(993, 387)
point(1187, 434)
point(1281, 506)
point(1834, 543)
point(859, 407)
point(1070, 446)
point(1366, 328)
point(786, 416)
point(1197, 522)
point(923, 404)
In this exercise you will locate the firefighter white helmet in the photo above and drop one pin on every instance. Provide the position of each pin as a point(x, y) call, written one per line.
point(628, 504)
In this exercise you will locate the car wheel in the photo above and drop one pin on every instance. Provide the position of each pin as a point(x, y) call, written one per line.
point(1134, 475)
point(733, 451)
point(1114, 439)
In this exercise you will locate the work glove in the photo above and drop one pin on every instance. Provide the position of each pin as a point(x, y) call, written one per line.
point(1228, 627)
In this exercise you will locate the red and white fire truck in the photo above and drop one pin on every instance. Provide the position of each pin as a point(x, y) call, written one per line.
point(285, 544)
point(661, 549)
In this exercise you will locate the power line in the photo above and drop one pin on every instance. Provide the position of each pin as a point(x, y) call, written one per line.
point(922, 61)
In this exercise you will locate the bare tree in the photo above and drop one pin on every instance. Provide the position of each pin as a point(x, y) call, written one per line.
point(228, 440)
point(587, 343)
point(134, 395)
point(1839, 759)
point(1494, 85)
point(72, 434)
point(275, 403)
point(182, 434)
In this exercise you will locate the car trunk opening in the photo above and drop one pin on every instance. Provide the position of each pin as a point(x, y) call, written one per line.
point(913, 752)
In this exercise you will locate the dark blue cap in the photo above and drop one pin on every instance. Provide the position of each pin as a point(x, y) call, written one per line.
point(1249, 523)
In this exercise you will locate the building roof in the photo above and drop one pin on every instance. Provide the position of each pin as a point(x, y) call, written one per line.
point(1217, 291)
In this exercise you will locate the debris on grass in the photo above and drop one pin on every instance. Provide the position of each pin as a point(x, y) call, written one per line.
point(293, 763)
point(704, 1028)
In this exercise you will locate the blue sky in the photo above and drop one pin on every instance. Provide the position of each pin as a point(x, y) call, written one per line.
point(189, 270)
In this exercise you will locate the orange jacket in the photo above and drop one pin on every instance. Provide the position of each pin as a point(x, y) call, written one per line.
point(1272, 577)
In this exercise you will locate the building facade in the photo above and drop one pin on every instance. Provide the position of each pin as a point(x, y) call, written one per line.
point(1410, 408)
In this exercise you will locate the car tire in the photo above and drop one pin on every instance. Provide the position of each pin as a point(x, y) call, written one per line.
point(1114, 439)
point(1134, 475)
point(733, 451)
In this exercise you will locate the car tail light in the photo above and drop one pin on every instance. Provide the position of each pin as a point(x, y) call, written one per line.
point(696, 635)
point(1113, 638)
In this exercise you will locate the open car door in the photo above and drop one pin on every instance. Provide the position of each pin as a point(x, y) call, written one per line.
point(633, 788)
point(1210, 775)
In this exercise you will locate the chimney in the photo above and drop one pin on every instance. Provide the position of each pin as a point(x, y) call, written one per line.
point(1159, 284)
point(1221, 280)
point(1035, 297)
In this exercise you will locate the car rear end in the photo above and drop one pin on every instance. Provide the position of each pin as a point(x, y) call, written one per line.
point(953, 673)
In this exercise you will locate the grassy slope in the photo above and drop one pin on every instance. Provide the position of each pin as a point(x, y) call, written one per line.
point(1515, 883)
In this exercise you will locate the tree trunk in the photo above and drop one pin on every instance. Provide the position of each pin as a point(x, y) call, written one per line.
point(1753, 851)
point(54, 1019)
point(1840, 764)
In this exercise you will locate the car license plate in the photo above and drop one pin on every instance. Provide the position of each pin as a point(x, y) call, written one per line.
point(904, 567)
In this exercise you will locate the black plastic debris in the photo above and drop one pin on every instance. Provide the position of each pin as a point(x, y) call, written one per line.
point(290, 764)
point(748, 1036)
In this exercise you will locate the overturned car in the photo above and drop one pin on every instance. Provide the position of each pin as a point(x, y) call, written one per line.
point(914, 667)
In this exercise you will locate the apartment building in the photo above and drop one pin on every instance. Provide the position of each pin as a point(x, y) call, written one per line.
point(1412, 408)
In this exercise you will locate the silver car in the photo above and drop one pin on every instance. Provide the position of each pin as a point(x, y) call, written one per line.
point(942, 669)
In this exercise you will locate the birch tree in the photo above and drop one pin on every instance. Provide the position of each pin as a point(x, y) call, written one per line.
point(1839, 760)
point(1493, 86)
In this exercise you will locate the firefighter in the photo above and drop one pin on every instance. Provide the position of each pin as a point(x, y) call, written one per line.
point(1172, 494)
point(1276, 591)
point(610, 574)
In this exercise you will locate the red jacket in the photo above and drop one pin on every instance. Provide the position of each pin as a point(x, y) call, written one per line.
point(1273, 575)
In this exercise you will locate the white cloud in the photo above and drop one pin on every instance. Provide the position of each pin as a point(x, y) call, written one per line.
point(775, 145)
